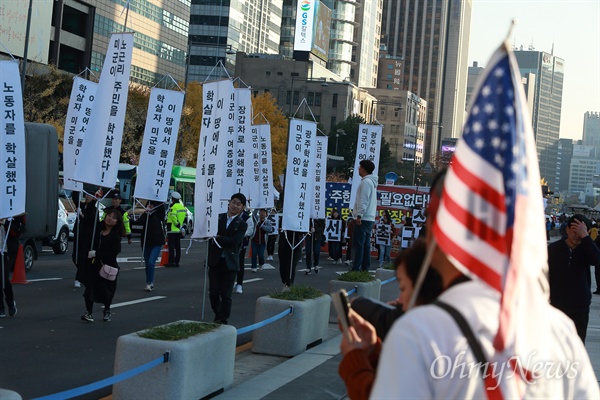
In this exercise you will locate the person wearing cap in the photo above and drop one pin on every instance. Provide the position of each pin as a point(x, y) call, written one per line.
point(570, 277)
point(223, 257)
point(115, 196)
point(175, 220)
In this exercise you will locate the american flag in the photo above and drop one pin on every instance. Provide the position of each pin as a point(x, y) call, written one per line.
point(490, 221)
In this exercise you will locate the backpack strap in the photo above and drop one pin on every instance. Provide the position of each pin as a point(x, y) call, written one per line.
point(490, 383)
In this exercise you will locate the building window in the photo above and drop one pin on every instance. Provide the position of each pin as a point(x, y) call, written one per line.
point(334, 101)
point(333, 122)
point(310, 98)
point(317, 99)
point(296, 97)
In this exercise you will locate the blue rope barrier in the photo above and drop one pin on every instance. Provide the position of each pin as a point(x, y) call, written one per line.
point(351, 291)
point(388, 280)
point(68, 394)
point(267, 321)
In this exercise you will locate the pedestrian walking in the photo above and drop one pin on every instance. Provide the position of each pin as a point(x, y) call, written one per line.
point(223, 257)
point(313, 245)
point(152, 238)
point(259, 240)
point(106, 247)
point(10, 231)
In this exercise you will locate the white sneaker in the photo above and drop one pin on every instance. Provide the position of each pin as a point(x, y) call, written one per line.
point(149, 288)
point(269, 258)
point(260, 267)
point(238, 289)
point(330, 259)
point(254, 270)
point(77, 283)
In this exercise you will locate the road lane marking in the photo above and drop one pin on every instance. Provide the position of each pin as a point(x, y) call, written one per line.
point(253, 280)
point(129, 303)
point(44, 279)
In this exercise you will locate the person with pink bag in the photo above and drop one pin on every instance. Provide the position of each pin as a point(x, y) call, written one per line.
point(107, 245)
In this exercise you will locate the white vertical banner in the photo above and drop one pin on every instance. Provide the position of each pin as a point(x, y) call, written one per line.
point(253, 175)
point(81, 101)
point(12, 142)
point(229, 129)
point(246, 151)
point(305, 15)
point(158, 147)
point(101, 149)
point(368, 147)
point(318, 208)
point(299, 176)
point(265, 167)
point(211, 157)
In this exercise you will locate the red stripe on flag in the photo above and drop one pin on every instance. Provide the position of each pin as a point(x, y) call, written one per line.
point(481, 270)
point(474, 224)
point(479, 186)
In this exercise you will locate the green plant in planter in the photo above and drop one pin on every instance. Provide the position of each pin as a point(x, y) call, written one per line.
point(178, 330)
point(298, 293)
point(356, 276)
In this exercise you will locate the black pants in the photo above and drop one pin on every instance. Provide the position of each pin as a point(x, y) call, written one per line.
point(8, 291)
point(271, 244)
point(220, 287)
point(174, 241)
point(581, 320)
point(288, 258)
point(597, 274)
point(240, 273)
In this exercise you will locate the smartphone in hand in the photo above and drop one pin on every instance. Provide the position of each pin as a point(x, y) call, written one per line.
point(342, 307)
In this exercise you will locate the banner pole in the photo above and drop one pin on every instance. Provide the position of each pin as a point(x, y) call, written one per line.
point(205, 276)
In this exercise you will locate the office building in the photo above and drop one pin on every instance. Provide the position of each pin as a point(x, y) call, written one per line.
point(76, 35)
point(546, 109)
point(367, 34)
point(563, 165)
point(432, 39)
point(584, 166)
point(219, 28)
point(591, 130)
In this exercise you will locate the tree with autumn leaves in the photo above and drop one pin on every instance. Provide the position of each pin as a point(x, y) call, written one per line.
point(46, 100)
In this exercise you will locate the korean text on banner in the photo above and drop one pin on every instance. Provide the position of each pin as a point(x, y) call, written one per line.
point(299, 176)
point(83, 93)
point(367, 148)
point(320, 154)
point(229, 130)
point(211, 157)
point(265, 198)
point(12, 142)
point(101, 149)
point(158, 147)
point(247, 150)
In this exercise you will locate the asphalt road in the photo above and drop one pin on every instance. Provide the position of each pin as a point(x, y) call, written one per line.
point(46, 348)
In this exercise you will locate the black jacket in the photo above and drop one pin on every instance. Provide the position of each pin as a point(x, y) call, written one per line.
point(154, 235)
point(229, 241)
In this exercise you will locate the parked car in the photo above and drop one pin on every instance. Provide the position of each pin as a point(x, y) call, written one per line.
point(60, 241)
point(71, 211)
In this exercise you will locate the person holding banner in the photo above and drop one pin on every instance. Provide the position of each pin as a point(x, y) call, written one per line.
point(335, 246)
point(313, 244)
point(272, 239)
point(249, 219)
point(83, 232)
point(364, 210)
point(116, 205)
point(152, 239)
point(290, 253)
point(386, 242)
point(223, 257)
point(107, 246)
point(259, 240)
point(175, 221)
point(10, 247)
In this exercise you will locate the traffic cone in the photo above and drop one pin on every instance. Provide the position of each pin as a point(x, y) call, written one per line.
point(164, 257)
point(19, 276)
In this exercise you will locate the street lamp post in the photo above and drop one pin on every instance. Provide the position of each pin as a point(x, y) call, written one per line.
point(337, 136)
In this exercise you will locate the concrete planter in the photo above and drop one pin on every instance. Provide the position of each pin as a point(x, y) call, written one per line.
point(290, 335)
point(198, 366)
point(390, 290)
point(365, 289)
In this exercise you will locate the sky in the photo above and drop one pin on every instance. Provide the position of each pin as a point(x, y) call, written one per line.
point(572, 26)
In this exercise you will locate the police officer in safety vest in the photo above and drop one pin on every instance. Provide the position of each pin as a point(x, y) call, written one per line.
point(175, 221)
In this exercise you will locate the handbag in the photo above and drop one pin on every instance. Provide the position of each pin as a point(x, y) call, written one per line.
point(108, 272)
